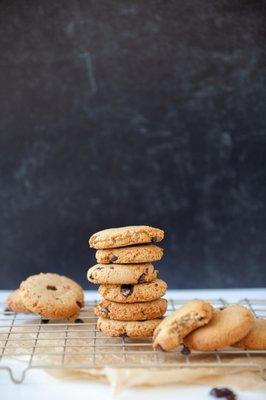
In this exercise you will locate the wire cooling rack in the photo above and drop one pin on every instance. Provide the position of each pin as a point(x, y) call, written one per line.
point(34, 343)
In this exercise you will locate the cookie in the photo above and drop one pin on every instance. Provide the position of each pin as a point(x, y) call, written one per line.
point(132, 329)
point(227, 327)
point(256, 338)
point(172, 330)
point(130, 255)
point(107, 274)
point(134, 293)
point(14, 302)
point(131, 311)
point(125, 236)
point(52, 296)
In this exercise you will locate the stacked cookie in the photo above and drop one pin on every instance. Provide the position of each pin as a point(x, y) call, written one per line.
point(132, 304)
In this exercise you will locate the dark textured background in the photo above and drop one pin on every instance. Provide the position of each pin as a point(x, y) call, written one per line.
point(134, 112)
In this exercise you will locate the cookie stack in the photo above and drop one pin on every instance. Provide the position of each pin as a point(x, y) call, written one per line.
point(132, 305)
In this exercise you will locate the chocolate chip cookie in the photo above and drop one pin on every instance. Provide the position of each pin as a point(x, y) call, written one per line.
point(52, 296)
point(134, 293)
point(108, 274)
point(131, 311)
point(133, 329)
point(130, 255)
point(125, 236)
point(226, 327)
point(256, 338)
point(172, 330)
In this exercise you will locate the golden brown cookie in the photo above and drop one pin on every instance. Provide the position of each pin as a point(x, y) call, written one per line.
point(131, 311)
point(132, 329)
point(256, 338)
point(52, 296)
point(227, 327)
point(130, 255)
point(172, 330)
point(125, 236)
point(134, 293)
point(14, 303)
point(121, 274)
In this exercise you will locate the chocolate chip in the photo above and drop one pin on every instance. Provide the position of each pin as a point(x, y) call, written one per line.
point(154, 239)
point(99, 268)
point(79, 304)
point(91, 277)
point(105, 310)
point(156, 285)
point(45, 321)
point(185, 351)
point(50, 287)
point(79, 321)
point(113, 258)
point(126, 290)
point(142, 278)
point(223, 392)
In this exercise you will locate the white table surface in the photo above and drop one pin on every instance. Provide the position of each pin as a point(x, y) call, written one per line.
point(39, 385)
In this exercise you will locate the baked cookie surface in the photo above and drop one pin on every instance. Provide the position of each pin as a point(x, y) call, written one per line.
point(132, 329)
point(121, 274)
point(52, 296)
point(134, 293)
point(14, 302)
point(131, 311)
point(130, 255)
point(125, 236)
point(226, 327)
point(172, 330)
point(256, 338)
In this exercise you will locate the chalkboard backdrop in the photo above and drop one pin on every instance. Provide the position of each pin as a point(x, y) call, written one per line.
point(134, 112)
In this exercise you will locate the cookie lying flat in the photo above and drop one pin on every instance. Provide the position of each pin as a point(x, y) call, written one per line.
point(256, 338)
point(107, 274)
point(172, 330)
point(131, 311)
point(227, 327)
point(132, 329)
point(130, 255)
point(134, 293)
point(14, 302)
point(52, 296)
point(125, 236)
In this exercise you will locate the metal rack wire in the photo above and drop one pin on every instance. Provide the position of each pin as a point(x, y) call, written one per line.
point(42, 344)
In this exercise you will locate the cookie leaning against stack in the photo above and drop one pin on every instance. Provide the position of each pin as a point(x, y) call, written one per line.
point(132, 305)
